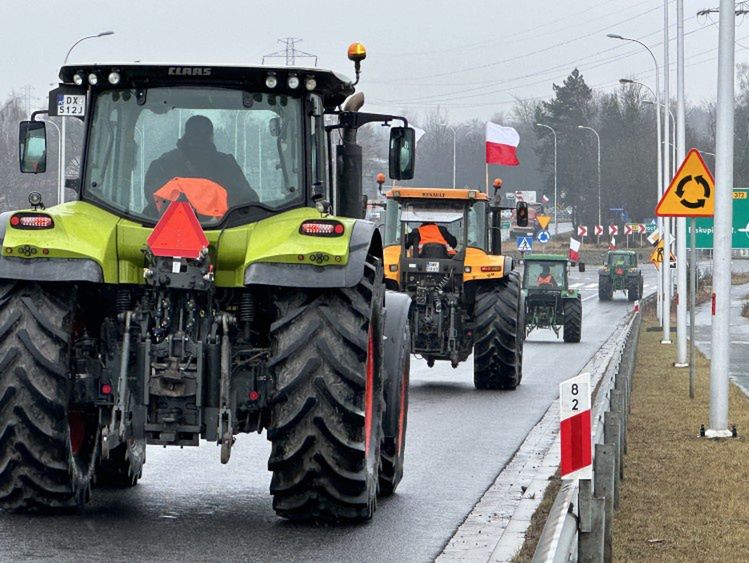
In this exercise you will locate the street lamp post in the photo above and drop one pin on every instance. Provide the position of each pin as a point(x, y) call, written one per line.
point(63, 136)
point(556, 203)
point(658, 181)
point(454, 132)
point(598, 139)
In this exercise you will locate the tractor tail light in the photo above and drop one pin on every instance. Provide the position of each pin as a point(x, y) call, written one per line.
point(31, 221)
point(322, 228)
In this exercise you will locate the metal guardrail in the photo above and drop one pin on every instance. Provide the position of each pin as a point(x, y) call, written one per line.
point(579, 525)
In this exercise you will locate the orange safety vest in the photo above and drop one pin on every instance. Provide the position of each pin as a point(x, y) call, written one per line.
point(545, 280)
point(430, 234)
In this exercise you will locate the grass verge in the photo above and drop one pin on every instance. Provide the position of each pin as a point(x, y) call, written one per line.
point(684, 498)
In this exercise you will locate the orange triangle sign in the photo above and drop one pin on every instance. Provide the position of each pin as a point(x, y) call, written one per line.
point(691, 192)
point(178, 233)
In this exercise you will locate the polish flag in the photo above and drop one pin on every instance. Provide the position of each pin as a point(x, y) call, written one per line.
point(501, 145)
point(545, 199)
point(574, 253)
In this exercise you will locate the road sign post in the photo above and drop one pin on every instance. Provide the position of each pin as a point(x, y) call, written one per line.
point(575, 428)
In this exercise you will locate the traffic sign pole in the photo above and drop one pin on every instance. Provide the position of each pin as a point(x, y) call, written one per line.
point(681, 222)
point(692, 303)
point(720, 346)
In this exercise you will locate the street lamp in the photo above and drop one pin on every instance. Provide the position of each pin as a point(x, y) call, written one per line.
point(556, 223)
point(453, 130)
point(63, 136)
point(661, 165)
point(598, 138)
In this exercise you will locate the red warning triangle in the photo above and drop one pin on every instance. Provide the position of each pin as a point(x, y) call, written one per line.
point(178, 233)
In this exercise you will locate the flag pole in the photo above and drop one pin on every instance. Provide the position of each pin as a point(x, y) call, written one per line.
point(487, 177)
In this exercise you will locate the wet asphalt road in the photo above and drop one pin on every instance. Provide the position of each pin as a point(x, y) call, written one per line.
point(189, 507)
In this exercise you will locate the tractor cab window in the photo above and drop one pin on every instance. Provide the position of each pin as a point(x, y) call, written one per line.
point(218, 148)
point(622, 260)
point(392, 222)
point(435, 222)
point(545, 275)
point(477, 225)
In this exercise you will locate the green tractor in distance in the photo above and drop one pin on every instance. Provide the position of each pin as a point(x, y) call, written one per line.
point(211, 277)
point(620, 272)
point(549, 301)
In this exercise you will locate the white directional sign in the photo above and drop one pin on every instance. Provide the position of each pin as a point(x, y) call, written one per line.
point(629, 229)
point(575, 427)
point(582, 231)
point(613, 230)
point(598, 230)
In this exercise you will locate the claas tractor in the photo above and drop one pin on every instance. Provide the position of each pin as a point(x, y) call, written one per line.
point(211, 277)
point(550, 303)
point(466, 295)
point(620, 272)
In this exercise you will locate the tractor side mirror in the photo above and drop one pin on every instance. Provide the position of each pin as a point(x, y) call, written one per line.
point(402, 158)
point(32, 147)
point(521, 214)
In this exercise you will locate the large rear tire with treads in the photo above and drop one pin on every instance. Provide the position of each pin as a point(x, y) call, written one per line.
point(499, 333)
point(326, 413)
point(48, 447)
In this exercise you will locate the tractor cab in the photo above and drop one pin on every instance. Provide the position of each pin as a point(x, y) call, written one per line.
point(438, 231)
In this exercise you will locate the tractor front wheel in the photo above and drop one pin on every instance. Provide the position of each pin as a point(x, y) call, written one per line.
point(48, 446)
point(499, 333)
point(326, 415)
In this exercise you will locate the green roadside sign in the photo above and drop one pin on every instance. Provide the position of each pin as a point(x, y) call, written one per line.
point(740, 238)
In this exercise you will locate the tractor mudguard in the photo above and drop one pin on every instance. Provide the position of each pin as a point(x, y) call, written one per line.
point(363, 237)
point(55, 269)
point(397, 307)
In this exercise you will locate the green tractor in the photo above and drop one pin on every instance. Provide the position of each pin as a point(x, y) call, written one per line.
point(549, 301)
point(224, 285)
point(620, 272)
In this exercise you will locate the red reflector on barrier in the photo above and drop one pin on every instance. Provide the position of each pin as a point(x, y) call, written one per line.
point(178, 233)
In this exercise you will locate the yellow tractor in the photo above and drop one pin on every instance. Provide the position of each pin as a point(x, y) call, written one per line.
point(443, 249)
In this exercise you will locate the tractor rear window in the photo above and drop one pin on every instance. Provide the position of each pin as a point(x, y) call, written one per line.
point(246, 147)
point(544, 275)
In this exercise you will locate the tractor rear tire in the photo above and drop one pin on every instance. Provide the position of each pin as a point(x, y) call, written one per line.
point(499, 333)
point(605, 288)
point(48, 449)
point(326, 414)
point(397, 367)
point(124, 467)
point(634, 289)
point(573, 319)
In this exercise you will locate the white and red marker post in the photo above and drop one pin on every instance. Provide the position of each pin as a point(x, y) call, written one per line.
point(575, 428)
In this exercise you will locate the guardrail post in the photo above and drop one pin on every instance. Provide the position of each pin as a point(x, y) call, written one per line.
point(612, 435)
point(603, 487)
point(590, 544)
point(618, 407)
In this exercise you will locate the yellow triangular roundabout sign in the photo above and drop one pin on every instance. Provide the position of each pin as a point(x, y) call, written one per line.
point(691, 192)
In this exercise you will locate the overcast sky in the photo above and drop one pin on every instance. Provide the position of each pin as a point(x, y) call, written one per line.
point(470, 57)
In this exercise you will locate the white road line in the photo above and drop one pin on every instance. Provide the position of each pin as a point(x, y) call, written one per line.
point(589, 298)
point(591, 286)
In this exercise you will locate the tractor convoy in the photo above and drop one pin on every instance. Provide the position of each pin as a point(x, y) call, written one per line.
point(212, 277)
point(443, 249)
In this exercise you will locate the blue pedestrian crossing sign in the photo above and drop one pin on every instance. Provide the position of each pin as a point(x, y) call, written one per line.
point(543, 237)
point(525, 244)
